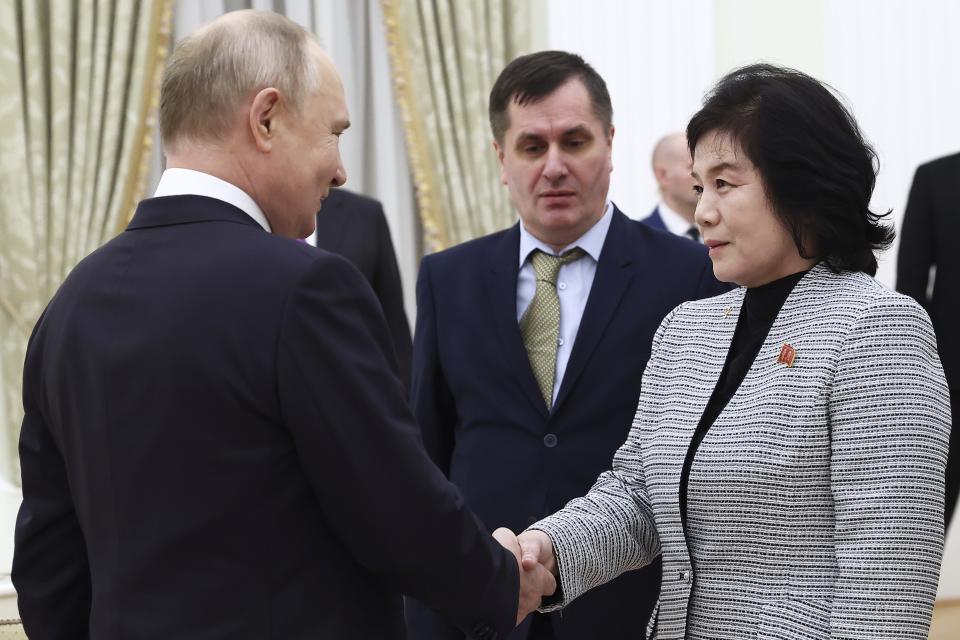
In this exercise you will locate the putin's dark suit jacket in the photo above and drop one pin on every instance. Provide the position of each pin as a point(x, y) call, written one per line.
point(485, 423)
point(355, 227)
point(931, 226)
point(216, 445)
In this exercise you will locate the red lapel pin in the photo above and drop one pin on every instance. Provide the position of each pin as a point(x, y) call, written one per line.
point(787, 355)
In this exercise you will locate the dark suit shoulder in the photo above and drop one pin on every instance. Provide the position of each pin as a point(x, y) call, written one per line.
point(345, 223)
point(662, 236)
point(289, 257)
point(476, 251)
point(672, 248)
point(248, 257)
point(947, 164)
point(354, 201)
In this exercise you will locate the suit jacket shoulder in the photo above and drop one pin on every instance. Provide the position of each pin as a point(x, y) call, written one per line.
point(949, 163)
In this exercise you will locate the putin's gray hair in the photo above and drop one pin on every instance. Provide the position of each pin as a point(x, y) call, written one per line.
point(210, 72)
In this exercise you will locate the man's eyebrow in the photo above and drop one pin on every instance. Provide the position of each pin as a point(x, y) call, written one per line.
point(577, 130)
point(572, 131)
point(528, 136)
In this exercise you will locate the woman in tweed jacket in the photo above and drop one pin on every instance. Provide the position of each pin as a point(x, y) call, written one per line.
point(787, 456)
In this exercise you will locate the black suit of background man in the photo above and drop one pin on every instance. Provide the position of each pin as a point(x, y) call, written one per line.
point(355, 227)
point(931, 226)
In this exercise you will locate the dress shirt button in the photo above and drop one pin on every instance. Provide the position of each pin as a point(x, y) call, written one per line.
point(550, 440)
point(560, 342)
point(562, 286)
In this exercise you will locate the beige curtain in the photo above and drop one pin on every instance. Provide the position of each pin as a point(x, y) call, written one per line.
point(445, 56)
point(78, 82)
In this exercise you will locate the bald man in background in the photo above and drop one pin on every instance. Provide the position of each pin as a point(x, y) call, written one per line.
point(671, 168)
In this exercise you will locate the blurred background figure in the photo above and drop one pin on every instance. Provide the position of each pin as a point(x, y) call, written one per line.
point(671, 168)
point(928, 239)
point(355, 227)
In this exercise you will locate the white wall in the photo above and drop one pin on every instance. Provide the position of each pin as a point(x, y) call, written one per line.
point(656, 58)
point(893, 61)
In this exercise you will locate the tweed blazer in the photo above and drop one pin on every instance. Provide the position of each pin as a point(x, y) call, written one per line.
point(815, 500)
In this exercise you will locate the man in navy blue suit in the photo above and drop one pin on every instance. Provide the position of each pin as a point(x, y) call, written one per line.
point(530, 343)
point(672, 165)
point(216, 442)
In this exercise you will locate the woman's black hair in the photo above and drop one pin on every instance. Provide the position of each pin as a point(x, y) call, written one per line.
point(818, 171)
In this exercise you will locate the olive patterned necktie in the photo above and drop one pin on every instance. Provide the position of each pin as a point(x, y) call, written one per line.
point(540, 324)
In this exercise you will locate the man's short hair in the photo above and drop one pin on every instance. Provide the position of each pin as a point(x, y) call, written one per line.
point(531, 78)
point(211, 71)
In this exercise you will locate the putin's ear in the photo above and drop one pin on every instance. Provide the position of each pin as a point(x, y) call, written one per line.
point(263, 111)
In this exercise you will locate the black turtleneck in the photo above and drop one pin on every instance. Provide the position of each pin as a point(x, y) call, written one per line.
point(760, 308)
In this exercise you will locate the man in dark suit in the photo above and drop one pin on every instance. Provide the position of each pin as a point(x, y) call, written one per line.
point(531, 342)
point(216, 443)
point(671, 168)
point(931, 226)
point(355, 227)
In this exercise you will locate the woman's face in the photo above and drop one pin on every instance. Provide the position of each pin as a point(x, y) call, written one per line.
point(748, 244)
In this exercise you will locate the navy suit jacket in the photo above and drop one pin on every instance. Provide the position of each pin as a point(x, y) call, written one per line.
point(355, 227)
point(654, 220)
point(484, 421)
point(216, 445)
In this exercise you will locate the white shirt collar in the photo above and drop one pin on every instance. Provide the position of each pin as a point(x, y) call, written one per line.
point(187, 182)
point(673, 221)
point(591, 241)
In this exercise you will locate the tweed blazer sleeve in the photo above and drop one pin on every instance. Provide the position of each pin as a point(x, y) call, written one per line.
point(610, 530)
point(889, 431)
point(828, 522)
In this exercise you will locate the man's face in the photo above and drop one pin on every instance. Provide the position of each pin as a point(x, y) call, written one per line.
point(307, 158)
point(555, 159)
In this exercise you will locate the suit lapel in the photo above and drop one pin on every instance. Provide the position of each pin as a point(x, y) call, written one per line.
point(615, 270)
point(502, 288)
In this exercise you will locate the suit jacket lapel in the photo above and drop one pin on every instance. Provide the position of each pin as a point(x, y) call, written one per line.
point(502, 288)
point(615, 270)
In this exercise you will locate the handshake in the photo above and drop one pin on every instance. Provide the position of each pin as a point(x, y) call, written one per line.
point(538, 567)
